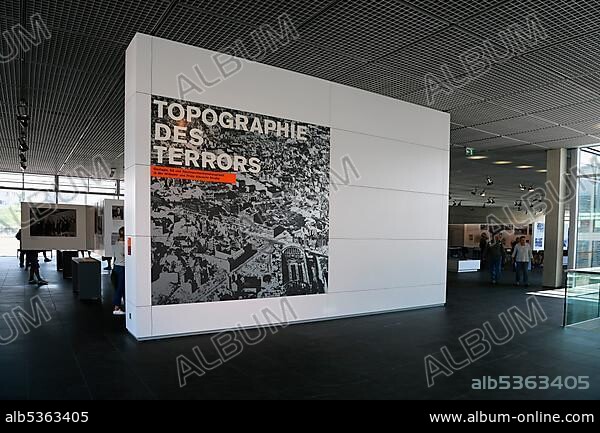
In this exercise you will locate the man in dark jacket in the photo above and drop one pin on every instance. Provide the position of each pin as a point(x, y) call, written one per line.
point(483, 248)
point(496, 255)
point(21, 252)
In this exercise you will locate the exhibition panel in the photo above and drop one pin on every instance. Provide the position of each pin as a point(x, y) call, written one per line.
point(250, 187)
point(48, 227)
point(113, 218)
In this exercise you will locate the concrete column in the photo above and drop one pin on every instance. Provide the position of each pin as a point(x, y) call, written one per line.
point(556, 190)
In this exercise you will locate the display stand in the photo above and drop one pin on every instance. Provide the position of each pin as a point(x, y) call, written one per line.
point(461, 266)
point(66, 258)
point(86, 278)
point(59, 261)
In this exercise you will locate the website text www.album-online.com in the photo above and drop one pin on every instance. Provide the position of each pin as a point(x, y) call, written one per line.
point(534, 417)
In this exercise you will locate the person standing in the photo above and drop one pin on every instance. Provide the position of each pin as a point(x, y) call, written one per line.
point(119, 270)
point(496, 255)
point(522, 256)
point(483, 248)
point(21, 252)
point(34, 269)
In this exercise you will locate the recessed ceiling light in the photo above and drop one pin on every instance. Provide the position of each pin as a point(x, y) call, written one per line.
point(476, 157)
point(524, 167)
point(502, 162)
point(542, 171)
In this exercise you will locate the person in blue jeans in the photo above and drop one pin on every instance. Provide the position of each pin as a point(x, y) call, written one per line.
point(522, 256)
point(496, 255)
point(119, 270)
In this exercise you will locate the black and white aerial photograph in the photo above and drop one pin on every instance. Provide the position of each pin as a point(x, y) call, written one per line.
point(58, 223)
point(264, 236)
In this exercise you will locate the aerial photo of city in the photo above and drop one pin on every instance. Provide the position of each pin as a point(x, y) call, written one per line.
point(264, 236)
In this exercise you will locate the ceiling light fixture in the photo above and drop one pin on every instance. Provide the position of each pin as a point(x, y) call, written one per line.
point(22, 114)
point(489, 181)
point(112, 172)
point(23, 166)
point(22, 157)
point(542, 171)
point(23, 147)
point(502, 162)
point(482, 193)
point(522, 187)
point(476, 157)
point(524, 167)
point(531, 188)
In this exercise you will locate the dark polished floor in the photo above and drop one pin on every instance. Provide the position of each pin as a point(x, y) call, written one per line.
point(83, 352)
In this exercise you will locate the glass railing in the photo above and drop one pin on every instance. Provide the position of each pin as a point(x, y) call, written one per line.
point(582, 300)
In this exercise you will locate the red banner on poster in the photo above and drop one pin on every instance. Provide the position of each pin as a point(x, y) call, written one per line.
point(190, 174)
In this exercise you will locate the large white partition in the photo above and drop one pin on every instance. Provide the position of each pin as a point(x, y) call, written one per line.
point(388, 227)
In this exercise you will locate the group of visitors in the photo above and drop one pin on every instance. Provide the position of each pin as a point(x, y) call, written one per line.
point(28, 259)
point(494, 254)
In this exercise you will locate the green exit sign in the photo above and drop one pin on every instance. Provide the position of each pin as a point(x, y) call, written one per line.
point(470, 151)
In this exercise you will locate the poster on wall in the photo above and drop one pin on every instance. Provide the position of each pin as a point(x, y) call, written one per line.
point(118, 213)
point(112, 215)
point(538, 236)
point(239, 205)
point(58, 223)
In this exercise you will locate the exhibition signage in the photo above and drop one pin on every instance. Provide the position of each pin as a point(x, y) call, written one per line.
point(239, 204)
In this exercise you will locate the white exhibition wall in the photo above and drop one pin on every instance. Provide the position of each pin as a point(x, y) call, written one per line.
point(388, 229)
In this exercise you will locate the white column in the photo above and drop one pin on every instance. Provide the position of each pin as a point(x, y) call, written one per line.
point(137, 187)
point(556, 189)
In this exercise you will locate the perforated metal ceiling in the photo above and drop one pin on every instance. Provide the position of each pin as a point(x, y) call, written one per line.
point(546, 96)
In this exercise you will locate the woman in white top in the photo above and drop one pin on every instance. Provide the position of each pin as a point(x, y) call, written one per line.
point(119, 270)
point(522, 256)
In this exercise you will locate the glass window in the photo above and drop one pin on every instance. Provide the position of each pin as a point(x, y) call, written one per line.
point(11, 180)
point(10, 221)
point(36, 181)
point(102, 186)
point(72, 198)
point(39, 196)
point(589, 161)
point(588, 211)
point(94, 199)
point(73, 184)
point(35, 188)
